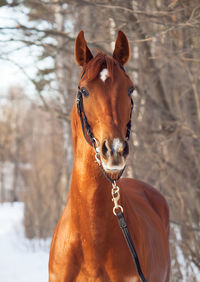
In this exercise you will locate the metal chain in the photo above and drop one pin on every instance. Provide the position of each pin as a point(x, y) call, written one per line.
point(97, 151)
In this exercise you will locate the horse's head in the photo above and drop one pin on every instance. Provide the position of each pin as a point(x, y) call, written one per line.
point(106, 97)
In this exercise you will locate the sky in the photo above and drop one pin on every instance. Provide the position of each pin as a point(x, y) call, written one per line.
point(10, 73)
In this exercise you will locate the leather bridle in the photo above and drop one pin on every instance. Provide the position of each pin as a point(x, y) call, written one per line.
point(87, 132)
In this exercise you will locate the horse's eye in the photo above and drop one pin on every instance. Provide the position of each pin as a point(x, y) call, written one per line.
point(84, 91)
point(131, 89)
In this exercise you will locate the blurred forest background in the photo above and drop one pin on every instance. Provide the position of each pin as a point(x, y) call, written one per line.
point(35, 133)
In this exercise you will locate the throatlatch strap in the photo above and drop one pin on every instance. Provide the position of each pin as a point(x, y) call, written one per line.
point(130, 244)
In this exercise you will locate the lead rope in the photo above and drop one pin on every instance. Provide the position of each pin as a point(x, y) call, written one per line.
point(124, 228)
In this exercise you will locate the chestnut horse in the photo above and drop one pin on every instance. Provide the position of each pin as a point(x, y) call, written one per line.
point(88, 244)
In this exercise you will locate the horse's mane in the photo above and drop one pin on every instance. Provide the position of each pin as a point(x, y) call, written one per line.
point(98, 63)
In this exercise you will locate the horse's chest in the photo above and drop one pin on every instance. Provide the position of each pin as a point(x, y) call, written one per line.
point(107, 264)
point(101, 275)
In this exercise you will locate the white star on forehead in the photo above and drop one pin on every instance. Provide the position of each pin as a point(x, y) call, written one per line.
point(104, 75)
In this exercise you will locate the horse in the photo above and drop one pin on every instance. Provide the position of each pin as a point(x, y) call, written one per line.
point(88, 244)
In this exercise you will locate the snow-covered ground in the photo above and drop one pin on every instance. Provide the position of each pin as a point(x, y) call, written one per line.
point(21, 260)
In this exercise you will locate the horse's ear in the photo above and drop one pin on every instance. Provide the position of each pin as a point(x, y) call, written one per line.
point(121, 52)
point(82, 52)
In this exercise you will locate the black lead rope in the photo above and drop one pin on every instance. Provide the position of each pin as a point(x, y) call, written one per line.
point(130, 244)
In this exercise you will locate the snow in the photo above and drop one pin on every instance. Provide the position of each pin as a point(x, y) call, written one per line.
point(185, 269)
point(21, 260)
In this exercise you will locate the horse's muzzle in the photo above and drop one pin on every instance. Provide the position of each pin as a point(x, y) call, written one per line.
point(114, 154)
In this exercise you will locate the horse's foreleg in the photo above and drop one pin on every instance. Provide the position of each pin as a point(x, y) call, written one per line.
point(64, 262)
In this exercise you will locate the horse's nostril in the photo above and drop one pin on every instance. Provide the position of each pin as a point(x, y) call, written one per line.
point(104, 149)
point(126, 149)
point(116, 150)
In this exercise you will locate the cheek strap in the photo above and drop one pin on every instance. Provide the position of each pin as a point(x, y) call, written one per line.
point(128, 131)
point(84, 123)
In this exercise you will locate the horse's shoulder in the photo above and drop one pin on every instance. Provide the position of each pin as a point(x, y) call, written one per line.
point(64, 234)
point(134, 187)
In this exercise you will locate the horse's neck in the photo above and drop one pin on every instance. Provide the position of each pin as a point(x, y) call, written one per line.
point(89, 186)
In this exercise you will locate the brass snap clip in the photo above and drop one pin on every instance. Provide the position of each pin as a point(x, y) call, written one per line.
point(115, 198)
